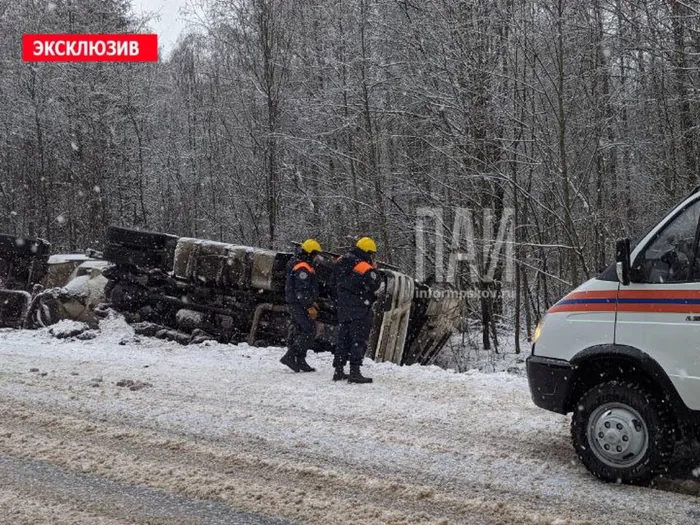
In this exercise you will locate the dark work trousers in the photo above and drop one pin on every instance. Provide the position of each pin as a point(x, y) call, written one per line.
point(352, 341)
point(302, 330)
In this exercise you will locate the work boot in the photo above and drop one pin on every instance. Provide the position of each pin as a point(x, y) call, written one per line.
point(339, 374)
point(303, 365)
point(289, 360)
point(356, 377)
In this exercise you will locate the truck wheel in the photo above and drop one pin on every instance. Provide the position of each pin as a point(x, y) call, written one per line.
point(132, 256)
point(44, 310)
point(139, 248)
point(621, 433)
point(128, 297)
point(21, 247)
point(142, 239)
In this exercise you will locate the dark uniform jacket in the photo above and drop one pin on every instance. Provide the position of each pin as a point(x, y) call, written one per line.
point(301, 286)
point(356, 283)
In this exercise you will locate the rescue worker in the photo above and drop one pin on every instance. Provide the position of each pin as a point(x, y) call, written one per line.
point(357, 280)
point(301, 293)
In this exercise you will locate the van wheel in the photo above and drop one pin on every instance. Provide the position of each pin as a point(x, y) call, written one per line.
point(621, 433)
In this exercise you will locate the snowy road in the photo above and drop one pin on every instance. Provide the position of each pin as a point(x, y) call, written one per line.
point(124, 503)
point(229, 425)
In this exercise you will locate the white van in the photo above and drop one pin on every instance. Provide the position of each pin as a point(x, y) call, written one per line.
point(622, 353)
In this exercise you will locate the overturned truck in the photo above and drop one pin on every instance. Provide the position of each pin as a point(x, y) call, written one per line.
point(236, 294)
point(195, 289)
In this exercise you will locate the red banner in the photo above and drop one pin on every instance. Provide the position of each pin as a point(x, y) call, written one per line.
point(90, 48)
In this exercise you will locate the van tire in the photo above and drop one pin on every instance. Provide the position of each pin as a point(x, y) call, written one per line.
point(622, 416)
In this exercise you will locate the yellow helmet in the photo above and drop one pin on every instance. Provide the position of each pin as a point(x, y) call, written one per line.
point(367, 245)
point(310, 246)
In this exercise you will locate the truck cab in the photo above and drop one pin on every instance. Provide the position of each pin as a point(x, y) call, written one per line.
point(622, 353)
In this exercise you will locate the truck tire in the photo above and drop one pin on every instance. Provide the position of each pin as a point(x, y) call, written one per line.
point(621, 433)
point(126, 246)
point(128, 297)
point(44, 310)
point(126, 255)
point(117, 235)
point(14, 305)
point(23, 247)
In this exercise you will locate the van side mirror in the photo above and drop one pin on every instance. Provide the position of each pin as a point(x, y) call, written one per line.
point(622, 260)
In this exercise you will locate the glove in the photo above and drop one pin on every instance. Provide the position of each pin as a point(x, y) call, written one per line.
point(313, 311)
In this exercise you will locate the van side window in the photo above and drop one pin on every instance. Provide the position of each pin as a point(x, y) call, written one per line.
point(669, 256)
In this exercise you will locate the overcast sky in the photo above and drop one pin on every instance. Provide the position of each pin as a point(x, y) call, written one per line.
point(169, 25)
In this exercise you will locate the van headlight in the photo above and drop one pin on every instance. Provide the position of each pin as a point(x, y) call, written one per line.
point(538, 330)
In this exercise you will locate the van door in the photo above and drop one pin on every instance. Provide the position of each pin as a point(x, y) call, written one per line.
point(659, 312)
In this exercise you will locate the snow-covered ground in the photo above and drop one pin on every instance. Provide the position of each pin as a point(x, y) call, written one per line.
point(464, 352)
point(231, 425)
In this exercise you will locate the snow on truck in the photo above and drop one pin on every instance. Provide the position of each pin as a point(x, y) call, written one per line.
point(622, 353)
point(193, 289)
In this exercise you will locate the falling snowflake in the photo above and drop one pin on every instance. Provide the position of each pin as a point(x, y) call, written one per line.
point(13, 213)
point(96, 189)
point(50, 7)
point(19, 241)
point(60, 219)
point(74, 145)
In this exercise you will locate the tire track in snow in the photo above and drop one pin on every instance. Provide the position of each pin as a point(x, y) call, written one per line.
point(250, 482)
point(95, 498)
point(255, 483)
